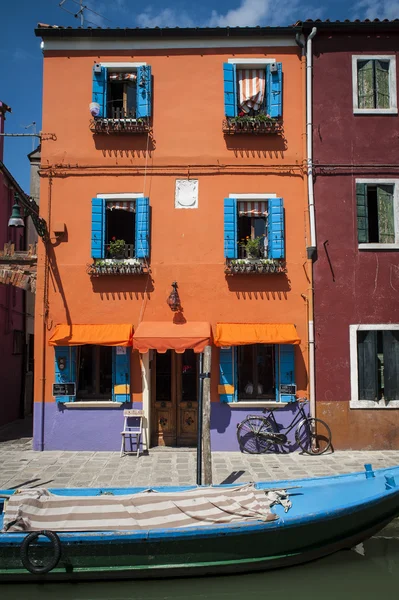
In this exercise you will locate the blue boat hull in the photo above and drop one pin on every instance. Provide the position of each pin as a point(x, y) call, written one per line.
point(327, 514)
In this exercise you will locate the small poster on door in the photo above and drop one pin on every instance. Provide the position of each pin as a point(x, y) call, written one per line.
point(121, 350)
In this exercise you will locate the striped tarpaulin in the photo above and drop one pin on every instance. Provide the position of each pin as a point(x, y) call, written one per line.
point(251, 85)
point(129, 205)
point(252, 209)
point(37, 509)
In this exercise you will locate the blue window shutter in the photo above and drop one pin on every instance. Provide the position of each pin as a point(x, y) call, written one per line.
point(228, 373)
point(97, 227)
point(230, 228)
point(121, 374)
point(274, 91)
point(275, 229)
point(230, 90)
point(142, 227)
point(287, 369)
point(68, 374)
point(99, 92)
point(144, 92)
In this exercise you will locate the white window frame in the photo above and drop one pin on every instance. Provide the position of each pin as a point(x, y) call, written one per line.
point(395, 184)
point(355, 402)
point(393, 109)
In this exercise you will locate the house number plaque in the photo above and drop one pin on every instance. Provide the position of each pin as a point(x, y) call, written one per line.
point(64, 389)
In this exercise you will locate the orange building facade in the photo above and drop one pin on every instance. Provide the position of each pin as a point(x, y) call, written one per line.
point(158, 166)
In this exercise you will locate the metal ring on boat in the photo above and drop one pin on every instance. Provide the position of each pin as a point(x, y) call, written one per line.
point(52, 563)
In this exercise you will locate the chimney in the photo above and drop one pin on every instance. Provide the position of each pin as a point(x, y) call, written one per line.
point(3, 109)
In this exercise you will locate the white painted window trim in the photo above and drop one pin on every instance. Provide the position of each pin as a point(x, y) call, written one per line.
point(257, 404)
point(250, 197)
point(393, 110)
point(354, 401)
point(250, 63)
point(127, 196)
point(395, 183)
point(93, 404)
point(122, 66)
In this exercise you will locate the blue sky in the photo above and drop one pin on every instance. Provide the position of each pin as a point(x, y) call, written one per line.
point(21, 58)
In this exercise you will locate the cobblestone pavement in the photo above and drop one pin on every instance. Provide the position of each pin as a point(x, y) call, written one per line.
point(21, 466)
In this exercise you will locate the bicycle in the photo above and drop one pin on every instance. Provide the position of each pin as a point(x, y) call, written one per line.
point(256, 433)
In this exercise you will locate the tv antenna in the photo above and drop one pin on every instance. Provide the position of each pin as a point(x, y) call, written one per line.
point(80, 14)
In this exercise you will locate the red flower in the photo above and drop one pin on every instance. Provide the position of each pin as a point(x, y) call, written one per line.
point(241, 113)
point(113, 239)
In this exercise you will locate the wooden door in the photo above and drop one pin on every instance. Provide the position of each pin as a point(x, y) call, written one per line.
point(174, 399)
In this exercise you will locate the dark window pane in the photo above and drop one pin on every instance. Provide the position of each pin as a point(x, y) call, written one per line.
point(265, 368)
point(164, 377)
point(120, 224)
point(86, 370)
point(390, 364)
point(189, 376)
point(256, 371)
point(131, 98)
point(105, 374)
point(94, 372)
point(367, 365)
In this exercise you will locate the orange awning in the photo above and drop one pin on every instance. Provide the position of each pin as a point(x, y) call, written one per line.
point(163, 336)
point(99, 335)
point(241, 334)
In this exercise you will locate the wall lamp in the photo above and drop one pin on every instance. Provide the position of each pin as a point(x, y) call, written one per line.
point(31, 209)
point(173, 300)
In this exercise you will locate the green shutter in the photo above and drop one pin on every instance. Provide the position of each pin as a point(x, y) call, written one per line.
point(382, 84)
point(367, 365)
point(391, 364)
point(365, 84)
point(386, 225)
point(362, 213)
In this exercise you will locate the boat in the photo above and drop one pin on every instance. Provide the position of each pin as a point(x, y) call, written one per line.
point(299, 521)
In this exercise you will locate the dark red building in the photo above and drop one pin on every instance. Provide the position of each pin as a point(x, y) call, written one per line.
point(356, 266)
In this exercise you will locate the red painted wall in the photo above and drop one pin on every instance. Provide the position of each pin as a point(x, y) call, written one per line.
point(356, 286)
point(11, 317)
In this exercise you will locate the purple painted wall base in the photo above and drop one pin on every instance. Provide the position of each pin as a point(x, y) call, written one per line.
point(225, 418)
point(89, 429)
point(99, 429)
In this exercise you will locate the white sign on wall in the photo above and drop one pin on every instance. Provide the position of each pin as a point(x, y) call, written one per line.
point(186, 193)
point(120, 350)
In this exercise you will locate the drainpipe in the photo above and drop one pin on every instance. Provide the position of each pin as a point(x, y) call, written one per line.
point(311, 248)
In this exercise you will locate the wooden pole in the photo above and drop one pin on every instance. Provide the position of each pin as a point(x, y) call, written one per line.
point(206, 416)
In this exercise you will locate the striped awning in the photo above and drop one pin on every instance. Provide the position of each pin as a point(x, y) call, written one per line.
point(123, 76)
point(129, 205)
point(251, 85)
point(252, 209)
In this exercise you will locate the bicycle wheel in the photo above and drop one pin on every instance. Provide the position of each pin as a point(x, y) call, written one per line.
point(313, 436)
point(252, 435)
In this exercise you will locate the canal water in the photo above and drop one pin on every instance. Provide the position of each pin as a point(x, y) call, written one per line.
point(368, 572)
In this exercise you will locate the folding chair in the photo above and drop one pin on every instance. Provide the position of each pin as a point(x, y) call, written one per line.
point(133, 430)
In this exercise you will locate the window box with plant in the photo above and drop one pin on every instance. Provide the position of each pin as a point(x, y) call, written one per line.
point(125, 224)
point(254, 236)
point(253, 98)
point(121, 98)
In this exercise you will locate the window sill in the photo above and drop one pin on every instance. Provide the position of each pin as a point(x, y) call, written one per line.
point(117, 267)
point(258, 404)
point(93, 404)
point(231, 127)
point(255, 266)
point(392, 404)
point(126, 126)
point(378, 246)
point(375, 111)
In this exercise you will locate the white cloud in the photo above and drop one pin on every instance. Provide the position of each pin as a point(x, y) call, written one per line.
point(248, 13)
point(376, 9)
point(168, 17)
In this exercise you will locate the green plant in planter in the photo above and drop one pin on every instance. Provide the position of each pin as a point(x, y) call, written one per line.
point(116, 248)
point(251, 246)
point(260, 117)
